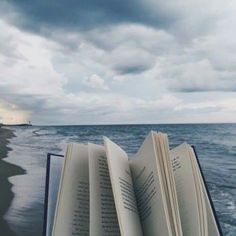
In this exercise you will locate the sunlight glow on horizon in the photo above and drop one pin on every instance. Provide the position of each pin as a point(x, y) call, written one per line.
point(10, 114)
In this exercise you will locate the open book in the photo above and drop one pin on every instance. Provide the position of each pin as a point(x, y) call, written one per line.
point(102, 192)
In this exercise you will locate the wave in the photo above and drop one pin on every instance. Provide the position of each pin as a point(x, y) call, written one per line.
point(30, 147)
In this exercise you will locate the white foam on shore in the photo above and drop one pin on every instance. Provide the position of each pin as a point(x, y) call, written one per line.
point(29, 151)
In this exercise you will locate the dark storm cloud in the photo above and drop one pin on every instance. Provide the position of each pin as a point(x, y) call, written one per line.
point(130, 69)
point(86, 14)
point(216, 88)
point(25, 101)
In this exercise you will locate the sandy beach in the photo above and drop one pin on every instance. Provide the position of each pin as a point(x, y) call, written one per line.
point(6, 170)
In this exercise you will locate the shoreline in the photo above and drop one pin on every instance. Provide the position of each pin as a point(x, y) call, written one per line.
point(6, 170)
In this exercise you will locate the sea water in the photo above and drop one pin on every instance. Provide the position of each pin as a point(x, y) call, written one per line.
point(215, 145)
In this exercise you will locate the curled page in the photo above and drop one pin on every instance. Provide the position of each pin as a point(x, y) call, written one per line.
point(123, 191)
point(103, 217)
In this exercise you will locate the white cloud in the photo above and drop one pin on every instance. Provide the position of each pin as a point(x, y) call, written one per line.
point(96, 82)
point(223, 105)
point(34, 73)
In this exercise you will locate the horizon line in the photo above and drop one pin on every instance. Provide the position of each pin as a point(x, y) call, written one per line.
point(118, 124)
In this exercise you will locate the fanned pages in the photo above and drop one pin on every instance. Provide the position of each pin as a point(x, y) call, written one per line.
point(122, 186)
point(196, 214)
point(102, 192)
point(103, 217)
point(186, 190)
point(151, 189)
point(168, 181)
point(72, 211)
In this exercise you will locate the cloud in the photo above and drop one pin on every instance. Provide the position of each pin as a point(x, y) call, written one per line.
point(199, 76)
point(86, 15)
point(137, 61)
point(8, 47)
point(96, 82)
point(130, 60)
point(134, 35)
point(206, 64)
point(30, 79)
point(35, 87)
point(225, 105)
point(184, 18)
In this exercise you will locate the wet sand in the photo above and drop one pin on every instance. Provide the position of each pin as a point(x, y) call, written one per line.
point(6, 170)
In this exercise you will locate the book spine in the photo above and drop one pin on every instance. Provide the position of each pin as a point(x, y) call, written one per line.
point(47, 191)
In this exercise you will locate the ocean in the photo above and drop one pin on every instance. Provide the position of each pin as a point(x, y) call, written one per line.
point(215, 145)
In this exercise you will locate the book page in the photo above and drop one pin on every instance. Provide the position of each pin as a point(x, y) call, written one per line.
point(212, 226)
point(72, 211)
point(200, 194)
point(56, 164)
point(122, 187)
point(103, 216)
point(164, 167)
point(186, 190)
point(149, 191)
point(211, 222)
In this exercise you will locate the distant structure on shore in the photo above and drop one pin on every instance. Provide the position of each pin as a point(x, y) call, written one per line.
point(22, 124)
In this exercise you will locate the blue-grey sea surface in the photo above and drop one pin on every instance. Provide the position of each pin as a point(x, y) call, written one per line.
point(215, 145)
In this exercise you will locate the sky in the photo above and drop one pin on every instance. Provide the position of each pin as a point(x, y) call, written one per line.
point(117, 61)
